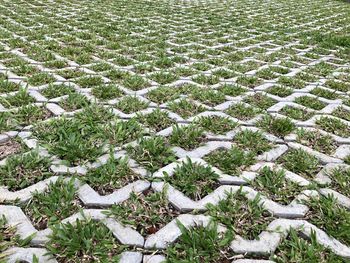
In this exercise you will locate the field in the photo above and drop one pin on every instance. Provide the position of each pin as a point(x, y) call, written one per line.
point(175, 131)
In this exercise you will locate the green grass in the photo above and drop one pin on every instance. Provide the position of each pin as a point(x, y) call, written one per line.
point(331, 40)
point(230, 161)
point(324, 93)
point(334, 126)
point(157, 120)
point(54, 91)
point(146, 212)
point(120, 132)
point(106, 92)
point(296, 113)
point(207, 96)
point(57, 203)
point(152, 153)
point(163, 94)
point(328, 215)
point(89, 81)
point(242, 111)
point(260, 101)
point(39, 79)
point(85, 240)
point(300, 162)
point(342, 113)
point(291, 82)
point(70, 140)
point(23, 170)
point(193, 179)
point(77, 139)
point(310, 102)
point(231, 90)
point(131, 104)
point(280, 91)
point(111, 176)
point(241, 216)
point(135, 82)
point(7, 86)
point(7, 121)
point(295, 249)
point(279, 127)
point(30, 114)
point(162, 77)
point(314, 139)
point(273, 183)
point(337, 86)
point(74, 101)
point(250, 82)
point(185, 108)
point(340, 180)
point(216, 124)
point(240, 58)
point(199, 244)
point(253, 141)
point(187, 137)
point(21, 98)
point(206, 79)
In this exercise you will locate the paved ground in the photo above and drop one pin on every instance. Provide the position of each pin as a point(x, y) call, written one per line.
point(186, 131)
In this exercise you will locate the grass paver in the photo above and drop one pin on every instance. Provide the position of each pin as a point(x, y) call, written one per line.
point(117, 94)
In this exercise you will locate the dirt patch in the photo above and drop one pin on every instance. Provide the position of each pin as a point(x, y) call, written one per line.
point(8, 148)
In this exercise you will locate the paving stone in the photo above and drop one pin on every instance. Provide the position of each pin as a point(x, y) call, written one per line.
point(220, 69)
